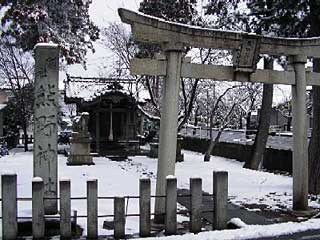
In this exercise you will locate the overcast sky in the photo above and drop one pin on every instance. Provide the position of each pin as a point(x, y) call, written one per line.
point(103, 11)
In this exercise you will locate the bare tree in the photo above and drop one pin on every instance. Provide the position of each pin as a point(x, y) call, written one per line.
point(221, 112)
point(120, 42)
point(190, 87)
point(16, 67)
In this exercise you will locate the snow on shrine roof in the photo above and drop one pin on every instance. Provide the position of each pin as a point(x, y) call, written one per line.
point(46, 45)
point(87, 89)
point(4, 85)
point(2, 106)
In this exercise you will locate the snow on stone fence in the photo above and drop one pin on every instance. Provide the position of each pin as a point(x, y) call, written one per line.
point(10, 219)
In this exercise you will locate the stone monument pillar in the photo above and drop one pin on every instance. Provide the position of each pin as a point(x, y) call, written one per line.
point(80, 142)
point(168, 125)
point(45, 121)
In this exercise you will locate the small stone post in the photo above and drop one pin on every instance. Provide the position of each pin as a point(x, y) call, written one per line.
point(92, 209)
point(171, 206)
point(220, 200)
point(144, 204)
point(45, 121)
point(196, 204)
point(168, 126)
point(9, 206)
point(300, 142)
point(119, 217)
point(65, 209)
point(38, 221)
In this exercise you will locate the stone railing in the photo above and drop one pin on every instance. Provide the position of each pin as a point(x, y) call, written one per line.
point(39, 219)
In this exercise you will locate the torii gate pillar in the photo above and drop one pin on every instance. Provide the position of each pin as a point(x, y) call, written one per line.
point(300, 140)
point(168, 125)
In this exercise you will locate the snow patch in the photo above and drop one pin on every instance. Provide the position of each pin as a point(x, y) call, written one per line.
point(37, 179)
point(46, 45)
point(122, 179)
point(63, 179)
point(8, 173)
point(145, 178)
point(250, 232)
point(237, 222)
point(171, 177)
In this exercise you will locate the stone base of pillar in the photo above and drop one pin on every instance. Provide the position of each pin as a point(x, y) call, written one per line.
point(154, 148)
point(80, 160)
point(306, 213)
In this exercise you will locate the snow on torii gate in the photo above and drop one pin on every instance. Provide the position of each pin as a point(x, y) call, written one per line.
point(173, 37)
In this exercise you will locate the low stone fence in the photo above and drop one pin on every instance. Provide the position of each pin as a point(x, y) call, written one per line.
point(274, 159)
point(10, 199)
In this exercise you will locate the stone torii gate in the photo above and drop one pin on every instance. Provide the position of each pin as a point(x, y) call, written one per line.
point(173, 37)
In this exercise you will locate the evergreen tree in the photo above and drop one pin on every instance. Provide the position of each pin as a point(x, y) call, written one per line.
point(181, 11)
point(65, 22)
point(267, 17)
point(18, 113)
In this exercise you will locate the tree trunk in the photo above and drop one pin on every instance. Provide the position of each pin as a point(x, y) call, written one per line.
point(248, 120)
point(210, 126)
point(212, 145)
point(314, 150)
point(216, 140)
point(289, 123)
point(261, 138)
point(25, 133)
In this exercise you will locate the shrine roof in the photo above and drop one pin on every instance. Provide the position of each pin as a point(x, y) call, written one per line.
point(87, 89)
point(79, 89)
point(2, 106)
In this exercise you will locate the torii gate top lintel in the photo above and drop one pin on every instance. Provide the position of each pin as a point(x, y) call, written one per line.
point(155, 30)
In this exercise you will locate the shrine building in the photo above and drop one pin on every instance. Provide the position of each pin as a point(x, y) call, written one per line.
point(115, 116)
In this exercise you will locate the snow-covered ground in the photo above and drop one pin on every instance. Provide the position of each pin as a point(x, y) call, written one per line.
point(122, 179)
point(249, 232)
